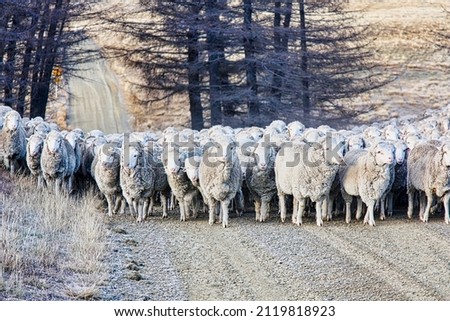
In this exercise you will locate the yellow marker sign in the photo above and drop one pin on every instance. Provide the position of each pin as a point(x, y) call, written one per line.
point(57, 73)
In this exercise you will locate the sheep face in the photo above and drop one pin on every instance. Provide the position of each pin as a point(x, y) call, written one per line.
point(12, 120)
point(54, 141)
point(35, 144)
point(355, 143)
point(108, 155)
point(400, 152)
point(264, 155)
point(384, 154)
point(131, 158)
point(391, 133)
point(295, 128)
point(173, 161)
point(191, 166)
point(334, 149)
point(221, 151)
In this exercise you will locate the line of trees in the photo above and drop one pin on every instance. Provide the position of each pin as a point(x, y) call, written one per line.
point(245, 62)
point(34, 38)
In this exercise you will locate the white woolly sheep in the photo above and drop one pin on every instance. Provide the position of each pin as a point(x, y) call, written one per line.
point(307, 170)
point(367, 174)
point(58, 162)
point(136, 178)
point(428, 172)
point(260, 178)
point(35, 145)
point(220, 176)
point(185, 192)
point(106, 169)
point(13, 138)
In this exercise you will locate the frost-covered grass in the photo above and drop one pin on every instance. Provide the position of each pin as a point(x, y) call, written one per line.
point(52, 247)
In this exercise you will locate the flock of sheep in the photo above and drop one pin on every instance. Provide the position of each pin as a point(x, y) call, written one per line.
point(221, 169)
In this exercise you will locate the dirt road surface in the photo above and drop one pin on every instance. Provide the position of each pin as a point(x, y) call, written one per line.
point(171, 260)
point(96, 100)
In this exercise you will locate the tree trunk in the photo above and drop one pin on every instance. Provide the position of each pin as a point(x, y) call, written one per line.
point(25, 73)
point(249, 49)
point(304, 61)
point(10, 66)
point(276, 78)
point(212, 39)
point(39, 103)
point(195, 103)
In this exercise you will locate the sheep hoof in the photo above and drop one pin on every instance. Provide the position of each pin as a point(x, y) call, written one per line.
point(211, 222)
point(320, 224)
point(382, 218)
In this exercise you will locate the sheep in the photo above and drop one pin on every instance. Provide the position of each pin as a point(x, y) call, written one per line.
point(400, 175)
point(307, 170)
point(295, 128)
point(35, 145)
point(220, 176)
point(185, 192)
point(161, 184)
point(136, 178)
point(260, 178)
point(58, 162)
point(3, 111)
point(13, 137)
point(367, 174)
point(428, 172)
point(76, 142)
point(106, 169)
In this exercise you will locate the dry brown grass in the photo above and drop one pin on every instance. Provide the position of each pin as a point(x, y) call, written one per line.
point(52, 247)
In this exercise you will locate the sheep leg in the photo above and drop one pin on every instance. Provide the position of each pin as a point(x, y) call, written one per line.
point(301, 210)
point(164, 205)
point(369, 218)
point(212, 211)
point(40, 181)
point(390, 203)
point(182, 211)
point(282, 204)
point(324, 208)
point(145, 207)
point(58, 186)
point(330, 205)
point(426, 214)
point(382, 208)
point(150, 205)
point(359, 208)
point(137, 209)
point(294, 210)
point(258, 210)
point(224, 206)
point(446, 200)
point(265, 210)
point(110, 204)
point(410, 204)
point(319, 220)
point(239, 199)
point(422, 202)
point(348, 211)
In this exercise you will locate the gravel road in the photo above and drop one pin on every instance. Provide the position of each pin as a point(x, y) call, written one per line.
point(96, 101)
point(171, 260)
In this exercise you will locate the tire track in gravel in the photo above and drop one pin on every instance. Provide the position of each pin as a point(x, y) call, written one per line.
point(219, 264)
point(402, 255)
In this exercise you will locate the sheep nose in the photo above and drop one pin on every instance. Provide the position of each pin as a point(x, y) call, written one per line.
point(263, 166)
